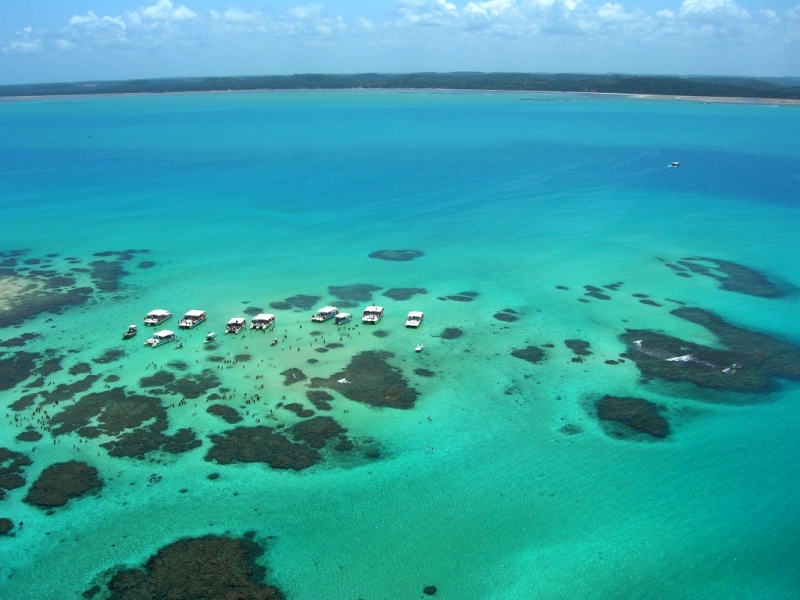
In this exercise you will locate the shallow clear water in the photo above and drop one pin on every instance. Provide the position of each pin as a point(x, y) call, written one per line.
point(256, 197)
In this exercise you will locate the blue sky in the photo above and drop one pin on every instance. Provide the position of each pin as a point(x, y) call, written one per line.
point(74, 40)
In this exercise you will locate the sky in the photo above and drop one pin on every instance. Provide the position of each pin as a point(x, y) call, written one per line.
point(82, 40)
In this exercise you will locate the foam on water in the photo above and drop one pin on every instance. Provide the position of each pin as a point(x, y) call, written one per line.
point(247, 199)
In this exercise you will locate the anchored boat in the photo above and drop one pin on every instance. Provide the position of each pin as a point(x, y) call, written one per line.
point(414, 319)
point(156, 317)
point(262, 321)
point(323, 314)
point(372, 314)
point(235, 325)
point(191, 319)
point(343, 318)
point(161, 337)
point(132, 331)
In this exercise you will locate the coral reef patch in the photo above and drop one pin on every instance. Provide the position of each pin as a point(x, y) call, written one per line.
point(734, 277)
point(531, 354)
point(401, 294)
point(210, 567)
point(632, 416)
point(358, 292)
point(61, 482)
point(369, 378)
point(260, 444)
point(396, 255)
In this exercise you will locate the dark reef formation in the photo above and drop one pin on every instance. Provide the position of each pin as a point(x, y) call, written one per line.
point(579, 347)
point(733, 277)
point(207, 568)
point(261, 444)
point(317, 431)
point(401, 294)
point(320, 399)
point(61, 482)
point(12, 467)
point(358, 292)
point(6, 525)
point(226, 413)
point(507, 315)
point(451, 333)
point(632, 416)
point(136, 422)
point(16, 368)
point(531, 354)
point(750, 361)
point(369, 378)
point(293, 375)
point(297, 302)
point(396, 255)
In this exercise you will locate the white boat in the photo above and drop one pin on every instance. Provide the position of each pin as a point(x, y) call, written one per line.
point(235, 325)
point(210, 337)
point(414, 319)
point(372, 314)
point(193, 318)
point(159, 338)
point(343, 318)
point(132, 331)
point(675, 164)
point(262, 321)
point(419, 348)
point(323, 314)
point(156, 317)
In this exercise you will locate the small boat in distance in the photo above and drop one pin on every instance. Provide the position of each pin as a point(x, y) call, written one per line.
point(159, 338)
point(156, 317)
point(419, 348)
point(372, 314)
point(210, 337)
point(323, 314)
point(263, 321)
point(132, 331)
point(191, 319)
point(274, 342)
point(675, 164)
point(343, 318)
point(414, 319)
point(235, 325)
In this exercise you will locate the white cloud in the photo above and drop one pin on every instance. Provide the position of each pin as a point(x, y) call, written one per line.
point(305, 12)
point(712, 10)
point(165, 10)
point(428, 12)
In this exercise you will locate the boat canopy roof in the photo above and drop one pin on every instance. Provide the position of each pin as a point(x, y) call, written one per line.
point(343, 315)
point(158, 312)
point(327, 309)
point(373, 309)
point(264, 317)
point(415, 314)
point(236, 321)
point(195, 313)
point(163, 333)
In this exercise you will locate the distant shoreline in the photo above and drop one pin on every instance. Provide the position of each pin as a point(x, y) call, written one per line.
point(704, 99)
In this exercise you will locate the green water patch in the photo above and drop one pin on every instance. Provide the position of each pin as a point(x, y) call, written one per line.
point(631, 418)
point(357, 292)
point(402, 294)
point(750, 362)
point(531, 354)
point(12, 469)
point(210, 567)
point(62, 482)
point(371, 379)
point(397, 255)
point(734, 277)
point(226, 413)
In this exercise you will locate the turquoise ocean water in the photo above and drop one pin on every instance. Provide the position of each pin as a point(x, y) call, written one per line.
point(249, 198)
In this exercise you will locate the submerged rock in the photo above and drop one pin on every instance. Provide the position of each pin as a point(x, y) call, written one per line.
point(637, 415)
point(261, 444)
point(61, 482)
point(579, 347)
point(734, 277)
point(226, 413)
point(358, 292)
point(531, 354)
point(451, 333)
point(396, 255)
point(210, 567)
point(749, 362)
point(369, 378)
point(401, 294)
